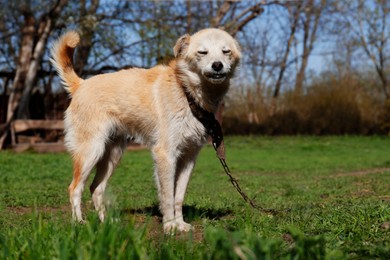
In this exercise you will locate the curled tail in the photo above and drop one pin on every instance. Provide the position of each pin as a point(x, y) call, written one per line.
point(62, 59)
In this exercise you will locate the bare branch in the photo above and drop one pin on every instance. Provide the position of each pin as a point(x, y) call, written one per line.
point(222, 11)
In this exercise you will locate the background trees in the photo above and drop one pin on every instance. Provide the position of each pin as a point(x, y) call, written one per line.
point(290, 48)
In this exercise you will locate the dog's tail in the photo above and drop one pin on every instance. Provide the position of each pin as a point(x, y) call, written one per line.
point(62, 59)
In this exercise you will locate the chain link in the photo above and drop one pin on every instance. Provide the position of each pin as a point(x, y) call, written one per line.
point(243, 194)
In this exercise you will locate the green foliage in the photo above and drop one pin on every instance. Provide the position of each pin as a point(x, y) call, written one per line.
point(333, 193)
point(47, 239)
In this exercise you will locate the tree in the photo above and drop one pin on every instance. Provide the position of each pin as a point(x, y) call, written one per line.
point(368, 21)
point(374, 37)
point(310, 18)
point(153, 28)
point(35, 30)
point(232, 18)
point(294, 10)
point(87, 26)
point(163, 22)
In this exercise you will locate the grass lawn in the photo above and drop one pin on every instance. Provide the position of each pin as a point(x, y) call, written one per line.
point(333, 193)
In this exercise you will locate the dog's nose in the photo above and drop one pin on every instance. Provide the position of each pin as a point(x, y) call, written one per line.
point(217, 66)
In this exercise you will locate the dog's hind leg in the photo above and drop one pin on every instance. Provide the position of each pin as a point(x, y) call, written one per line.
point(84, 159)
point(104, 170)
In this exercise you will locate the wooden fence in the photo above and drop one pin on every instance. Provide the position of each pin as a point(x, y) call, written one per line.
point(22, 142)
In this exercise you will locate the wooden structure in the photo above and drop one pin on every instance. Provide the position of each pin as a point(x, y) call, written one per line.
point(22, 142)
point(35, 143)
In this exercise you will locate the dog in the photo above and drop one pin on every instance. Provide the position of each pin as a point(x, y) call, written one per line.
point(150, 105)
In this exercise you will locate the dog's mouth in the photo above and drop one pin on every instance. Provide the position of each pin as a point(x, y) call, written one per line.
point(216, 75)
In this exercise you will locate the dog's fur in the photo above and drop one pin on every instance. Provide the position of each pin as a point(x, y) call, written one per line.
point(149, 105)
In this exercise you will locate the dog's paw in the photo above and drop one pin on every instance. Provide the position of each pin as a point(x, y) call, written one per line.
point(79, 221)
point(184, 227)
point(172, 227)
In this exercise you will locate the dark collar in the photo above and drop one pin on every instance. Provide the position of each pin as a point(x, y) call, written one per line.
point(212, 126)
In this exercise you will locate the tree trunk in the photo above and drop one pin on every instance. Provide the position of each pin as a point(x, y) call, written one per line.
point(283, 63)
point(20, 75)
point(44, 31)
point(375, 50)
point(33, 44)
point(309, 37)
point(87, 30)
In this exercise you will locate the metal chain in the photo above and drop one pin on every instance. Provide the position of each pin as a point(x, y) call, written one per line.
point(213, 128)
point(243, 194)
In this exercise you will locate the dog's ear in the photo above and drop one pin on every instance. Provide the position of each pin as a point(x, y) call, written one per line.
point(237, 51)
point(181, 45)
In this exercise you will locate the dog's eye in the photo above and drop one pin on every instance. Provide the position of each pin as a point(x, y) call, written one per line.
point(226, 51)
point(202, 53)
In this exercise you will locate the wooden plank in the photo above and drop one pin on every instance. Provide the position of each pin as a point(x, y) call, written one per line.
point(40, 147)
point(58, 147)
point(23, 125)
point(29, 139)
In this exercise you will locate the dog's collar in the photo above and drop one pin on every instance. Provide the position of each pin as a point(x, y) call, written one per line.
point(212, 126)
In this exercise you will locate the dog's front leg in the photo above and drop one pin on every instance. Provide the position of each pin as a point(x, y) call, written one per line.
point(184, 169)
point(165, 180)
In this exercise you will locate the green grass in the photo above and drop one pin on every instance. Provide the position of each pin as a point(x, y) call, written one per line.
point(334, 193)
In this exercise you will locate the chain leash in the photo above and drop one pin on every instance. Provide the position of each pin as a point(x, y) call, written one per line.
point(213, 129)
point(235, 184)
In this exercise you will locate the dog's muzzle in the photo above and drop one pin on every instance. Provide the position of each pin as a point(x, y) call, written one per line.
point(217, 73)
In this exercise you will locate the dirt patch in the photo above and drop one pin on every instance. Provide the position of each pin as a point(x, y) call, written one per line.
point(364, 193)
point(155, 232)
point(385, 226)
point(384, 198)
point(362, 172)
point(29, 210)
point(148, 217)
point(151, 218)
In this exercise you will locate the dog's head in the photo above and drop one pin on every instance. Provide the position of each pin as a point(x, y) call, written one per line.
point(212, 54)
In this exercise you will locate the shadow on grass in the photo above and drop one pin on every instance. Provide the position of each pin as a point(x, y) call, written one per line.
point(190, 213)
